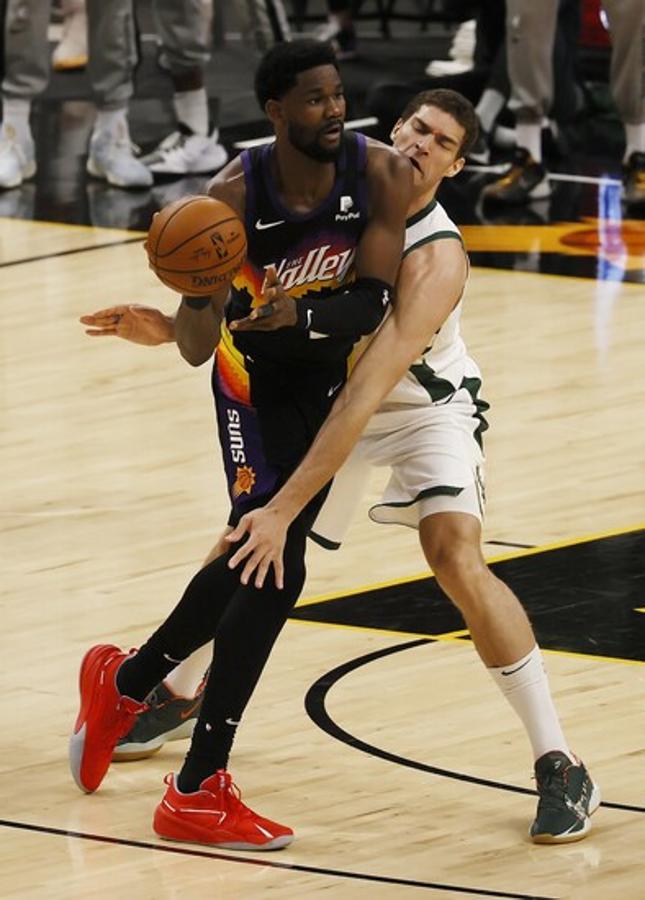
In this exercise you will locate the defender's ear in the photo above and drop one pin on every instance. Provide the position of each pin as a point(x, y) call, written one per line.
point(396, 128)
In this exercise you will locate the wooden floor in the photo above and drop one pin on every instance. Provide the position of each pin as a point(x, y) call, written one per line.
point(112, 493)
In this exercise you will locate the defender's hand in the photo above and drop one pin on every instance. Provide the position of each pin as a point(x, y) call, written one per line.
point(138, 324)
point(267, 533)
point(277, 311)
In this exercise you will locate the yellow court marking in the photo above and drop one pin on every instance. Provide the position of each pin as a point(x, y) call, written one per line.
point(454, 637)
point(515, 554)
point(448, 637)
point(617, 242)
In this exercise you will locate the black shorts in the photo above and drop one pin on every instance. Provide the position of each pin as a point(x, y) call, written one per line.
point(267, 416)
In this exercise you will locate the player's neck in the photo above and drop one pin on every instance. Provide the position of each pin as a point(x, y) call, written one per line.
point(421, 198)
point(302, 183)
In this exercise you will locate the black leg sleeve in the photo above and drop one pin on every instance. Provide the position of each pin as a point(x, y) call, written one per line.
point(191, 624)
point(245, 636)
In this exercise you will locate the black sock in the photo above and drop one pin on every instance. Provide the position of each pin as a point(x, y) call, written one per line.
point(209, 751)
point(138, 674)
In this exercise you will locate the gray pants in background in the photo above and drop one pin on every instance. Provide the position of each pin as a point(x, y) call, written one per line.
point(184, 27)
point(530, 33)
point(112, 50)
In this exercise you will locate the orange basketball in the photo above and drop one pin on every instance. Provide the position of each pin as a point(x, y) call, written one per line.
point(196, 245)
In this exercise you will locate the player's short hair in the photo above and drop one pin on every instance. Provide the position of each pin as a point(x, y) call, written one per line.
point(280, 66)
point(453, 103)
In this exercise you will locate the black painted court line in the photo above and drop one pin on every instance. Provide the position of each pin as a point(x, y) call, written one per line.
point(598, 581)
point(317, 712)
point(30, 259)
point(270, 864)
point(511, 544)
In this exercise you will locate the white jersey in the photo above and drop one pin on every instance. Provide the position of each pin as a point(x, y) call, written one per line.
point(427, 430)
point(444, 365)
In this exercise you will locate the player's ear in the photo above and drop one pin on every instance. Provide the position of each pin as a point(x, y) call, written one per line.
point(396, 128)
point(273, 110)
point(455, 167)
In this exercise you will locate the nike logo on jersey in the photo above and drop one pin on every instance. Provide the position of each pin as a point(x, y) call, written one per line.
point(262, 226)
point(332, 390)
point(517, 669)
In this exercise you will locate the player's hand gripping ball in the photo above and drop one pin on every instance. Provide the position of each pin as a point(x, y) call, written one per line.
point(196, 245)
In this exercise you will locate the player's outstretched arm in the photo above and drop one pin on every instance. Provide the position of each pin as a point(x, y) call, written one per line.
point(430, 284)
point(133, 322)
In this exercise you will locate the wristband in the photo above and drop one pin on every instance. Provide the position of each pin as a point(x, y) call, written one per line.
point(196, 302)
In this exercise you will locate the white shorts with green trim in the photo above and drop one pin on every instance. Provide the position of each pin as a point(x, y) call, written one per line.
point(437, 466)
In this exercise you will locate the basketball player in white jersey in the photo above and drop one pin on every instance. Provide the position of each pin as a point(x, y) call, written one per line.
point(412, 403)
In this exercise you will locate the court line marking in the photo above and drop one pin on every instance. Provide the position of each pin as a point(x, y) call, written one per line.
point(459, 636)
point(266, 863)
point(74, 226)
point(530, 551)
point(317, 712)
point(74, 250)
point(463, 638)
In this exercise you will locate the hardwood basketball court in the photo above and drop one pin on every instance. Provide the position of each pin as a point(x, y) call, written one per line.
point(412, 774)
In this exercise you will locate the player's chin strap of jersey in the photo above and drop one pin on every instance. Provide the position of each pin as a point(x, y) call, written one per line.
point(356, 312)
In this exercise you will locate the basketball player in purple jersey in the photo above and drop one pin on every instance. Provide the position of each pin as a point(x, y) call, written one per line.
point(428, 431)
point(328, 212)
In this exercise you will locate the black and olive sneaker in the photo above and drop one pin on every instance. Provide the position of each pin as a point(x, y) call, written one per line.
point(526, 180)
point(568, 797)
point(167, 718)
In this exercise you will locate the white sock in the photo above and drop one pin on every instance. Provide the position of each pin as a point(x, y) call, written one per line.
point(191, 108)
point(635, 139)
point(112, 121)
point(529, 136)
point(15, 112)
point(490, 105)
point(526, 687)
point(184, 680)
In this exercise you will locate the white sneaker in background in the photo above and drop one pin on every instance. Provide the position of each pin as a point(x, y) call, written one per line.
point(71, 52)
point(17, 157)
point(18, 203)
point(462, 53)
point(112, 157)
point(186, 153)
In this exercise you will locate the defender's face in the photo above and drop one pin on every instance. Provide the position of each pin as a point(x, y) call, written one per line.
point(430, 139)
point(314, 112)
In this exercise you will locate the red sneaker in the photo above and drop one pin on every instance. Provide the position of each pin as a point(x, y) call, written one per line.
point(215, 815)
point(104, 716)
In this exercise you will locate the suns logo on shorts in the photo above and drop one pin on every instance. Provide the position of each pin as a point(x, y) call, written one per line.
point(244, 481)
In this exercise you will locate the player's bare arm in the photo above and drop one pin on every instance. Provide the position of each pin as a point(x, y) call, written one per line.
point(198, 319)
point(430, 283)
point(390, 182)
point(133, 322)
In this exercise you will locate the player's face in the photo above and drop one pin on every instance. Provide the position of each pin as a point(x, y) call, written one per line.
point(314, 112)
point(430, 138)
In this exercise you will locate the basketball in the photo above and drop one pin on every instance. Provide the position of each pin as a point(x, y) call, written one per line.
point(196, 245)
